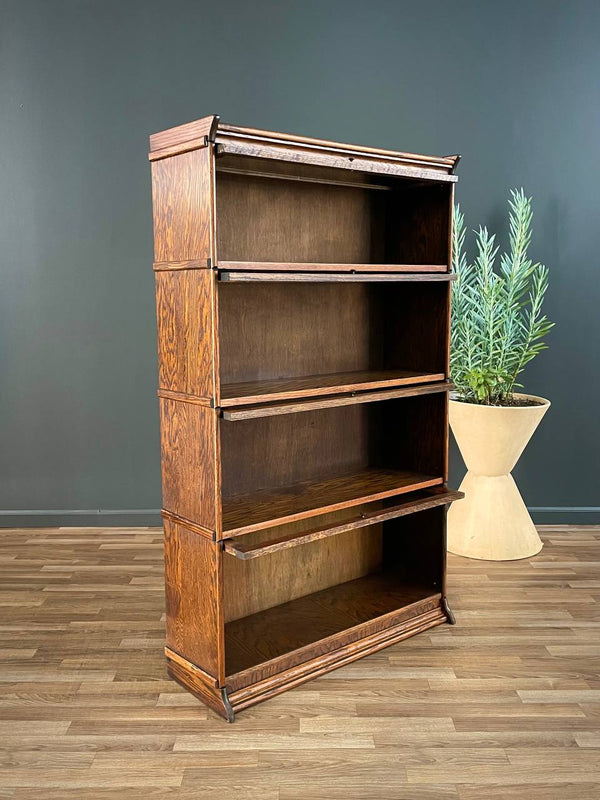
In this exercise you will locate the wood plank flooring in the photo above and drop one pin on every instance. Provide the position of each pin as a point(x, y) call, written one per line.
point(504, 705)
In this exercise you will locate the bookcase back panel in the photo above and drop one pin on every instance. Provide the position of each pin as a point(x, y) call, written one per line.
point(283, 330)
point(260, 583)
point(269, 452)
point(265, 219)
point(260, 219)
point(278, 451)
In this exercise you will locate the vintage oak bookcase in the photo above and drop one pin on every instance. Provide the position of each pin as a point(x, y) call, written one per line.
point(303, 300)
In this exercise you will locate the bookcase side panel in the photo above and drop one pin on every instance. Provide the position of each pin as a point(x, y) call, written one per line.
point(182, 199)
point(189, 468)
point(185, 323)
point(192, 585)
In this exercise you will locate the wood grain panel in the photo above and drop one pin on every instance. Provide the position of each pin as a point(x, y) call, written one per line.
point(193, 598)
point(189, 473)
point(323, 328)
point(182, 192)
point(185, 321)
point(265, 220)
point(252, 586)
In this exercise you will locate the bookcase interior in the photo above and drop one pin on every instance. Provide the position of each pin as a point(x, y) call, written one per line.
point(273, 337)
point(285, 212)
point(298, 465)
point(355, 578)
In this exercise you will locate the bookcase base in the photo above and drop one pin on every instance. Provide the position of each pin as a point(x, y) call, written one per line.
point(227, 703)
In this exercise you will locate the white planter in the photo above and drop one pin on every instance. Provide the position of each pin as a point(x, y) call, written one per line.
point(492, 522)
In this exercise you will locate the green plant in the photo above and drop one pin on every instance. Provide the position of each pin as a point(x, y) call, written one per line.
point(497, 323)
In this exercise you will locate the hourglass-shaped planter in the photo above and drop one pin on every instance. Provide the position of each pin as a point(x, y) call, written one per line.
point(492, 522)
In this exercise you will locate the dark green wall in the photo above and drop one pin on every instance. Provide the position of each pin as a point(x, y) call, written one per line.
point(513, 86)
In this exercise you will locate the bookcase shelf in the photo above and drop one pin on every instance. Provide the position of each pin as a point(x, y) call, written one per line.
point(286, 628)
point(277, 408)
point(250, 392)
point(248, 276)
point(302, 296)
point(291, 266)
point(267, 508)
point(419, 501)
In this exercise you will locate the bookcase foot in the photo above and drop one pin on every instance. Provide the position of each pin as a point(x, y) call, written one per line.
point(229, 713)
point(200, 684)
point(448, 611)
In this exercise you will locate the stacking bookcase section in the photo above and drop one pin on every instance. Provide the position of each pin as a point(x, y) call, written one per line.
point(312, 338)
point(309, 224)
point(277, 469)
point(303, 300)
point(395, 571)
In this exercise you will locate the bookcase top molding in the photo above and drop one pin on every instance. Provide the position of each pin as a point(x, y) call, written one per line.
point(233, 139)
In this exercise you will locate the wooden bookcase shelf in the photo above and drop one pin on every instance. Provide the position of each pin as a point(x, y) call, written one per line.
point(267, 508)
point(419, 501)
point(303, 294)
point(277, 408)
point(248, 276)
point(328, 337)
point(250, 392)
point(291, 266)
point(269, 634)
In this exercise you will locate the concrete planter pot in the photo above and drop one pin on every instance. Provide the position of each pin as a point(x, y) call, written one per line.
point(492, 521)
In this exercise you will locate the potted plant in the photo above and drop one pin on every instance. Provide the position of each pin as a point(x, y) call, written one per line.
point(497, 328)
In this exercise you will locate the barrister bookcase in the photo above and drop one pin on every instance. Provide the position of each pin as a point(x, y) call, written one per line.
point(303, 299)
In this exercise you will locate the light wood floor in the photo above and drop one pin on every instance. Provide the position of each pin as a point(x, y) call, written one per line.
point(504, 705)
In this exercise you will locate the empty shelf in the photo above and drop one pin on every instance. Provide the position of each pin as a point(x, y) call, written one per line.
point(268, 634)
point(266, 508)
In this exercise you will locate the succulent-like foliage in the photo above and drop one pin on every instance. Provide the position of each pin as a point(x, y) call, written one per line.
point(497, 322)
